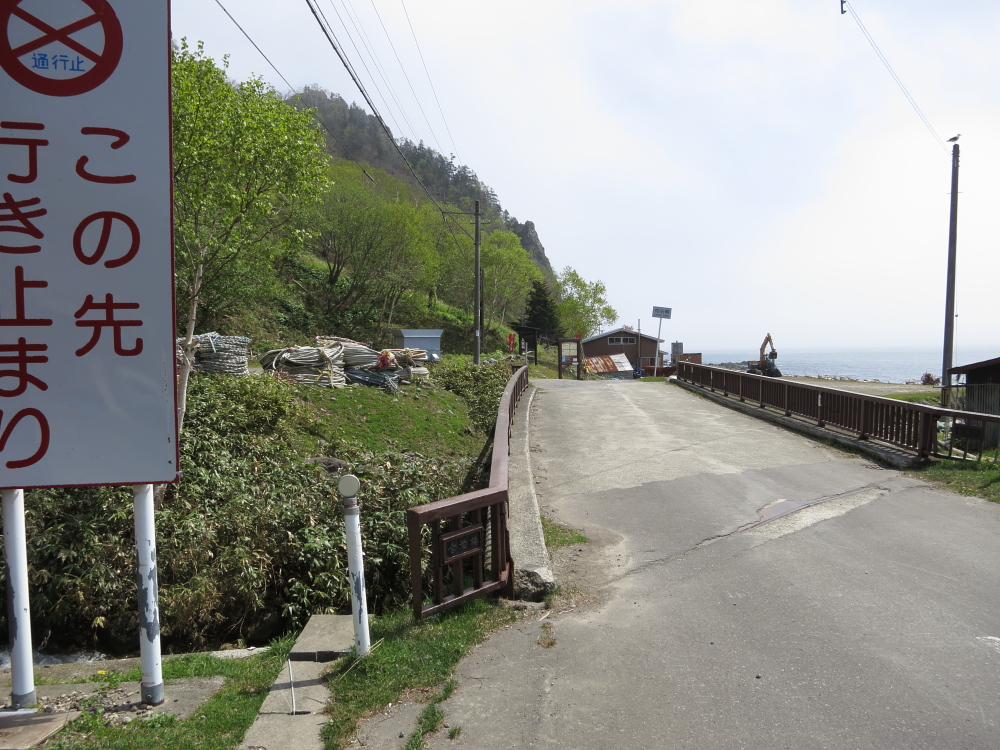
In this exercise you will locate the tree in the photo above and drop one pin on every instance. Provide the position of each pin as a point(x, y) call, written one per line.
point(244, 163)
point(583, 306)
point(508, 272)
point(375, 247)
point(541, 312)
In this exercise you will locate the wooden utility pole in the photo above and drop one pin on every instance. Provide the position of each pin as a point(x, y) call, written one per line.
point(478, 294)
point(949, 299)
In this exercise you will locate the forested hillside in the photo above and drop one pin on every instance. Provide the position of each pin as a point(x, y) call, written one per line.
point(298, 218)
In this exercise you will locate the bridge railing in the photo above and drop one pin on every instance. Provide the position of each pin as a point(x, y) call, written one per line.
point(469, 541)
point(920, 428)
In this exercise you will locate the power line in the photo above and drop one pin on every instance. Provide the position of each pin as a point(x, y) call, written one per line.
point(219, 3)
point(363, 63)
point(895, 77)
point(412, 32)
point(352, 14)
point(292, 88)
point(405, 75)
point(330, 37)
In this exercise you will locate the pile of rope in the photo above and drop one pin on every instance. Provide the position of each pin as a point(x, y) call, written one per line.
point(319, 365)
point(226, 355)
point(335, 362)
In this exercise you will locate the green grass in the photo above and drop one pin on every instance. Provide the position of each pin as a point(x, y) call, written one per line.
point(931, 398)
point(424, 418)
point(546, 367)
point(556, 535)
point(219, 724)
point(977, 478)
point(408, 655)
point(431, 718)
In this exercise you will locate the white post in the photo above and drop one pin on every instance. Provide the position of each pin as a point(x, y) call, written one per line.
point(151, 689)
point(15, 547)
point(348, 487)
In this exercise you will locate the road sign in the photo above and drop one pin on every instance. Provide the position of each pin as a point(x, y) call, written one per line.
point(60, 60)
point(661, 312)
point(86, 268)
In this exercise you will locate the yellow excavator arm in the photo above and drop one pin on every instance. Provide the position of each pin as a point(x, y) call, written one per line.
point(767, 340)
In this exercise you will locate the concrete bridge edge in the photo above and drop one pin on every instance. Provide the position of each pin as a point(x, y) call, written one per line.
point(533, 578)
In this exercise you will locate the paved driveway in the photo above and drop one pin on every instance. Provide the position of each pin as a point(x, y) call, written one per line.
point(868, 618)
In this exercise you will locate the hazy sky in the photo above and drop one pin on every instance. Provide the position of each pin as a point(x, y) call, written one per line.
point(750, 164)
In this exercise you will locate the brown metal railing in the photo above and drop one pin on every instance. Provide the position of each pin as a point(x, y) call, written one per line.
point(470, 546)
point(923, 429)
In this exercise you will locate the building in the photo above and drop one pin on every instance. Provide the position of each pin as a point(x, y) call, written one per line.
point(624, 341)
point(979, 373)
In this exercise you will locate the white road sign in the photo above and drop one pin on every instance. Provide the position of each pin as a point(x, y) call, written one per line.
point(661, 312)
point(86, 271)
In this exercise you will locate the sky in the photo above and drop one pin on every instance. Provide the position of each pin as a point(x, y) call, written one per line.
point(751, 165)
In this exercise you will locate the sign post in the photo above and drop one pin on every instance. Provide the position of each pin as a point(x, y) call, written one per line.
point(661, 313)
point(87, 391)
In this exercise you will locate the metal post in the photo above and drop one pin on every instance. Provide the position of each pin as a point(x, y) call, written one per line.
point(348, 487)
point(15, 548)
point(475, 302)
point(151, 689)
point(658, 362)
point(949, 304)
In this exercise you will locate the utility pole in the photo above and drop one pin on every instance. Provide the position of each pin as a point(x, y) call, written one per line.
point(949, 299)
point(478, 295)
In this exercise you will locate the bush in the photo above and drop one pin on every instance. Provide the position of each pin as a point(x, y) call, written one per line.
point(481, 387)
point(250, 541)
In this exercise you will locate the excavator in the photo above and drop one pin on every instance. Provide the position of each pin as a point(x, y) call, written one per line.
point(766, 366)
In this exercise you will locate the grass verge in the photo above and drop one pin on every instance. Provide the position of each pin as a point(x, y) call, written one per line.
point(931, 398)
point(977, 478)
point(409, 655)
point(556, 535)
point(219, 724)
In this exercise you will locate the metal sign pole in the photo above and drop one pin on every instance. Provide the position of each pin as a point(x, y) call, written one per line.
point(348, 487)
point(149, 598)
point(15, 547)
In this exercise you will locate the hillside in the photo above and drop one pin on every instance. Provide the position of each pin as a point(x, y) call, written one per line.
point(351, 133)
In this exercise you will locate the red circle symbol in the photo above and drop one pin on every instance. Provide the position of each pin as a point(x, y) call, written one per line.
point(94, 67)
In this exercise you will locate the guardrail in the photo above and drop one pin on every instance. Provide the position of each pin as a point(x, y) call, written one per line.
point(920, 428)
point(470, 546)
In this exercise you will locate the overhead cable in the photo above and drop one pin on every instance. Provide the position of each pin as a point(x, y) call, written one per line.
point(420, 52)
point(895, 77)
point(406, 76)
point(219, 3)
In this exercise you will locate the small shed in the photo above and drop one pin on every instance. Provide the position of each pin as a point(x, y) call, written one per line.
point(428, 339)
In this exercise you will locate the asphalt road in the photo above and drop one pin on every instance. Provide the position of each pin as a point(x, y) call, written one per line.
point(869, 618)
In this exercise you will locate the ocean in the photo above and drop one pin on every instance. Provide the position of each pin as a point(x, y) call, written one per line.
point(885, 365)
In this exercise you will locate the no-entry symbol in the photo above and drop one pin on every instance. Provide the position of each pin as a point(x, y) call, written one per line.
point(76, 68)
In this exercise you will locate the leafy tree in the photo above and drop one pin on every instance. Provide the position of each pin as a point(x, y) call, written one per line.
point(244, 162)
point(508, 275)
point(375, 247)
point(583, 306)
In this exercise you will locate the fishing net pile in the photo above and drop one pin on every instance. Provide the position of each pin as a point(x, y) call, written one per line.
point(336, 361)
point(226, 355)
point(319, 365)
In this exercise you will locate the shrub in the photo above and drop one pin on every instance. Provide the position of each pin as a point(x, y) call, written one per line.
point(251, 539)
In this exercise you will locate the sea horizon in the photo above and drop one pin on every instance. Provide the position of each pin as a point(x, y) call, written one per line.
point(885, 364)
